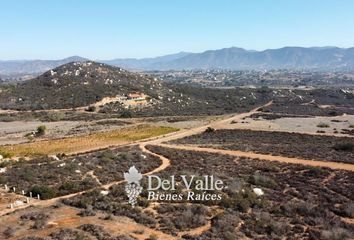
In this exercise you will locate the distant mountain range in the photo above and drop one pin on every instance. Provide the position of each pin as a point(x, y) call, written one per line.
point(238, 58)
point(18, 67)
point(319, 58)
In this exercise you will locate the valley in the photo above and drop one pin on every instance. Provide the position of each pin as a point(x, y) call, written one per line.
point(69, 136)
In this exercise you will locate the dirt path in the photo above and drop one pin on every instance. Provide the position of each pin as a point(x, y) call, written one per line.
point(45, 203)
point(217, 124)
point(266, 157)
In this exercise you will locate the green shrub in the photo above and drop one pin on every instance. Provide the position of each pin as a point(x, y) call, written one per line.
point(56, 116)
point(348, 147)
point(43, 191)
point(323, 125)
point(41, 130)
point(6, 154)
point(209, 130)
point(153, 237)
point(316, 171)
point(126, 114)
point(262, 181)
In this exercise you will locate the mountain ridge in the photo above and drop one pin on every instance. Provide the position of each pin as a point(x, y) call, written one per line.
point(234, 58)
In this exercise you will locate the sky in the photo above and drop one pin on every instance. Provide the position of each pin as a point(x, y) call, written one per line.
point(108, 29)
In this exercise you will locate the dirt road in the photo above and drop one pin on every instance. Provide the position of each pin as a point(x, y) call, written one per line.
point(266, 157)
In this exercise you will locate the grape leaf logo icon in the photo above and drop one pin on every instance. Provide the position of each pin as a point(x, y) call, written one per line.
point(133, 188)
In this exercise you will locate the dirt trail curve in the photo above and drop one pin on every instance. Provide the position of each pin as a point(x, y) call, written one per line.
point(142, 144)
point(45, 203)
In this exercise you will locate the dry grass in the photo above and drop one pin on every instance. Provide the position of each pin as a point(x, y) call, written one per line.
point(86, 143)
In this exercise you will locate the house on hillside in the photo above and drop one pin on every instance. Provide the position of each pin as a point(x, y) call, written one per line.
point(136, 96)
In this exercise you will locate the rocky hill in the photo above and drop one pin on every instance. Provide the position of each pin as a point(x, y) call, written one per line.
point(84, 84)
point(78, 84)
point(81, 84)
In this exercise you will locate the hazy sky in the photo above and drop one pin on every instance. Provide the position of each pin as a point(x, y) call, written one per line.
point(106, 29)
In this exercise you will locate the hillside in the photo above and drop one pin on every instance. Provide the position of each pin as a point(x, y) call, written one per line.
point(77, 84)
point(81, 84)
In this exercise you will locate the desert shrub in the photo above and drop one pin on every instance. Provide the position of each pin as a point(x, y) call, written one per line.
point(96, 231)
point(351, 126)
point(55, 116)
point(126, 114)
point(68, 234)
point(333, 113)
point(316, 171)
point(4, 163)
point(209, 130)
point(224, 226)
point(242, 201)
point(2, 179)
point(182, 216)
point(68, 187)
point(33, 216)
point(87, 212)
point(264, 89)
point(262, 181)
point(335, 234)
point(152, 237)
point(6, 154)
point(44, 192)
point(39, 224)
point(9, 232)
point(41, 130)
point(323, 125)
point(107, 156)
point(90, 109)
point(40, 219)
point(33, 238)
point(344, 147)
point(349, 210)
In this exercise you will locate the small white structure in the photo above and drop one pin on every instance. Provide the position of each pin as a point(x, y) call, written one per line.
point(54, 157)
point(30, 194)
point(104, 193)
point(27, 200)
point(143, 156)
point(77, 171)
point(18, 203)
point(258, 191)
point(3, 170)
point(23, 192)
point(62, 165)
